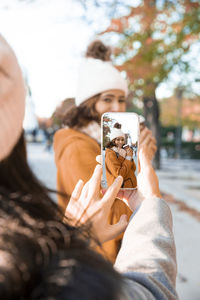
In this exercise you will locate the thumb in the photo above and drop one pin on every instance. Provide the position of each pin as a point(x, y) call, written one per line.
point(99, 159)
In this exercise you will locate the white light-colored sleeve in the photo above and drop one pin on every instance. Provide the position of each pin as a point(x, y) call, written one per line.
point(147, 257)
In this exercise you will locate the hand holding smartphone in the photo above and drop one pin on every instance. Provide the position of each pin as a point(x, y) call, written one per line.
point(120, 136)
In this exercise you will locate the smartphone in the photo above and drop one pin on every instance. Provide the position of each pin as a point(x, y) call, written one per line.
point(125, 146)
point(119, 148)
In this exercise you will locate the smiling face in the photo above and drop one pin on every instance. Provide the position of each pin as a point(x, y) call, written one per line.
point(119, 141)
point(111, 101)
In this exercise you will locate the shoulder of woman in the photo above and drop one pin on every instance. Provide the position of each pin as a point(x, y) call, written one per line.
point(110, 151)
point(70, 135)
point(66, 131)
point(111, 154)
point(76, 153)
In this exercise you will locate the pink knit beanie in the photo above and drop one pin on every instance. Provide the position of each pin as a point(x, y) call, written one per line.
point(12, 99)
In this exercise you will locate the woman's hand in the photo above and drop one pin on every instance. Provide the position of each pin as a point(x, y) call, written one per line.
point(87, 206)
point(148, 143)
point(147, 139)
point(129, 151)
point(147, 180)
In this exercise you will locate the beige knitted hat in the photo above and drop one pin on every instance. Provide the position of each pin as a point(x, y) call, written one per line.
point(97, 76)
point(115, 132)
point(12, 99)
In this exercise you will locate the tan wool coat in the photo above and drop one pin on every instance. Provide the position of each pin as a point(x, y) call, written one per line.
point(75, 157)
point(117, 165)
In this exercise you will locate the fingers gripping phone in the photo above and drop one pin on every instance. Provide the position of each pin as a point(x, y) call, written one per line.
point(119, 148)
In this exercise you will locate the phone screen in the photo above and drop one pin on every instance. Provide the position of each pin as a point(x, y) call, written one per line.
point(119, 147)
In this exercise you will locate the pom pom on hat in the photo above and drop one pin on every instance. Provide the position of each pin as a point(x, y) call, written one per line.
point(97, 74)
point(12, 99)
point(98, 50)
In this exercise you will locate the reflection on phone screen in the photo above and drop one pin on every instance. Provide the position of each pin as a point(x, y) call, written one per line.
point(120, 133)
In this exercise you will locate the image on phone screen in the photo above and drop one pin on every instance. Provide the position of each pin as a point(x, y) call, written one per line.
point(119, 147)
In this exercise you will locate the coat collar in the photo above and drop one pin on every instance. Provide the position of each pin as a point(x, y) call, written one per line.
point(93, 129)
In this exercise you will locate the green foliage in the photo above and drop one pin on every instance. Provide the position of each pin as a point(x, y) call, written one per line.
point(135, 109)
point(165, 130)
point(188, 149)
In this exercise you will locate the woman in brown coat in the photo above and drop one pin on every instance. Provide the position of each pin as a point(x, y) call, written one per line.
point(119, 161)
point(101, 88)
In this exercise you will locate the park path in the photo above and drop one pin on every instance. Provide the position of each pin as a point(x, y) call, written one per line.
point(180, 184)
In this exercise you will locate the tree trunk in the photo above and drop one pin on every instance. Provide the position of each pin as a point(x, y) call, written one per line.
point(151, 114)
point(179, 95)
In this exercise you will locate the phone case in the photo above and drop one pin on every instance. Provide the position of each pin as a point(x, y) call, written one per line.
point(119, 148)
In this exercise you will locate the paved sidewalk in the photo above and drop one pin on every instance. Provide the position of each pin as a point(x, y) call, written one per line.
point(180, 180)
point(42, 163)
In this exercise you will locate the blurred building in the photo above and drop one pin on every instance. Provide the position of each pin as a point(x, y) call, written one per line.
point(30, 119)
point(30, 123)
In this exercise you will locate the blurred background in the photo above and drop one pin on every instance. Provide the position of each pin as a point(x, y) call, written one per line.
point(156, 46)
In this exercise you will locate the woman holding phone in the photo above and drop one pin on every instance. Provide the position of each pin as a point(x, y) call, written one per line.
point(119, 160)
point(43, 257)
point(100, 89)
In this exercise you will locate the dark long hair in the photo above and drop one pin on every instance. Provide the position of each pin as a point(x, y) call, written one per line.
point(42, 257)
point(49, 259)
point(17, 177)
point(111, 144)
point(82, 115)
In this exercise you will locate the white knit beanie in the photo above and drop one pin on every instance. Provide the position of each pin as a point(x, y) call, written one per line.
point(97, 76)
point(12, 99)
point(115, 132)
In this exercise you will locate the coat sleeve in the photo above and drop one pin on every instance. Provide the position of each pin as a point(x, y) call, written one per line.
point(117, 167)
point(77, 162)
point(147, 257)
